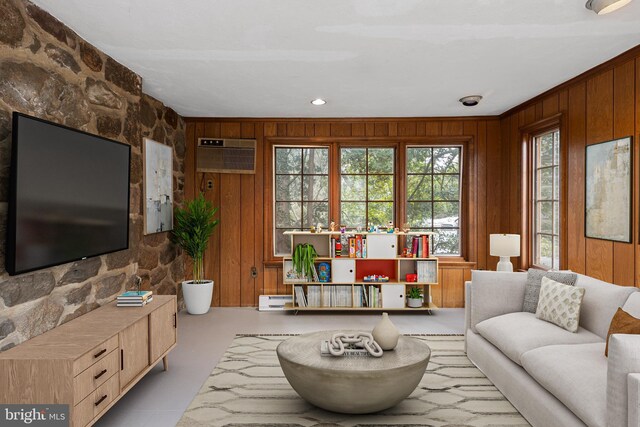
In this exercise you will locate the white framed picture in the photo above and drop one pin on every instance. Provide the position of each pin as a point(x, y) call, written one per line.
point(158, 187)
point(608, 190)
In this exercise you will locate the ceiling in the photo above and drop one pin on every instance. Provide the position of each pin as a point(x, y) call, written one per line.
point(367, 58)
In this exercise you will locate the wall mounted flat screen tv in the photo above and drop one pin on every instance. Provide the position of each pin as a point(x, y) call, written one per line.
point(68, 195)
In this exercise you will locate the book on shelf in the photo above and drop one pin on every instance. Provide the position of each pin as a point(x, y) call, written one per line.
point(358, 246)
point(420, 246)
point(326, 298)
point(332, 247)
point(352, 247)
point(364, 246)
point(425, 246)
point(313, 296)
point(374, 297)
point(340, 296)
point(300, 297)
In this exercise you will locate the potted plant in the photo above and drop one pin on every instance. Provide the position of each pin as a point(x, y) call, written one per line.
point(414, 297)
point(304, 257)
point(193, 225)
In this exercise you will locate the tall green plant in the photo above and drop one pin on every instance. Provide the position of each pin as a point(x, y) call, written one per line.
point(304, 256)
point(192, 227)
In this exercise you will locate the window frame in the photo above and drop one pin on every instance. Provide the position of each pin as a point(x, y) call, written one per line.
point(528, 134)
point(536, 202)
point(394, 176)
point(469, 184)
point(274, 173)
point(459, 174)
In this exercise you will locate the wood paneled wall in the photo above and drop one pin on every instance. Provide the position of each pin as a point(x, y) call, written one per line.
point(238, 243)
point(599, 105)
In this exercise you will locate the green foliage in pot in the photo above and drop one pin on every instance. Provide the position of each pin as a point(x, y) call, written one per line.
point(192, 227)
point(304, 256)
point(415, 293)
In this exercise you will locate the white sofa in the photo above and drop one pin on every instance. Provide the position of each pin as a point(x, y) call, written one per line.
point(552, 376)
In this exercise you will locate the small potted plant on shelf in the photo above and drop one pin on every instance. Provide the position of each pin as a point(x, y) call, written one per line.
point(414, 297)
point(304, 257)
point(192, 228)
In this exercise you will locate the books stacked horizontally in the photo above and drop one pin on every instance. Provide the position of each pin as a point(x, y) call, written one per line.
point(135, 298)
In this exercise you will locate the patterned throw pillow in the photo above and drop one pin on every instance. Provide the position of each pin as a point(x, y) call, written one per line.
point(534, 279)
point(560, 304)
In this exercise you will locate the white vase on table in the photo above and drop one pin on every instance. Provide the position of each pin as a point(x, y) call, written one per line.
point(385, 333)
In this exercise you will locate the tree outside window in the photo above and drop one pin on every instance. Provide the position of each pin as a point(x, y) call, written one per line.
point(433, 195)
point(366, 186)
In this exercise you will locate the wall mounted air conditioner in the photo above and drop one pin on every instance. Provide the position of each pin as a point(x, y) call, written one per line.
point(226, 155)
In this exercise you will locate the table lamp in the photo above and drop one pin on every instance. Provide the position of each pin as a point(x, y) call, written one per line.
point(505, 246)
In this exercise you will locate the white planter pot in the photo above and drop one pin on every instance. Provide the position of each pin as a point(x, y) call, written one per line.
point(197, 296)
point(414, 302)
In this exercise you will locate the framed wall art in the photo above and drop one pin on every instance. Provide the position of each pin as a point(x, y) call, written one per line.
point(158, 187)
point(608, 190)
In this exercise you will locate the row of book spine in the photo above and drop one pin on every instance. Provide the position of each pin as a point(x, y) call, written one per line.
point(338, 296)
point(349, 246)
point(420, 246)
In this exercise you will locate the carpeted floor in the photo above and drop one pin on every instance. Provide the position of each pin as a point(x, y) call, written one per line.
point(248, 388)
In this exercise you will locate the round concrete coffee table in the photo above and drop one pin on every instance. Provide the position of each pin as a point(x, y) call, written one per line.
point(352, 385)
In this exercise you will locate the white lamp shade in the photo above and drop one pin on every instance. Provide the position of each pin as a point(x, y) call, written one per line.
point(504, 245)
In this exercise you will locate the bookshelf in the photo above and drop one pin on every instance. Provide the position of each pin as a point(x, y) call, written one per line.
point(347, 289)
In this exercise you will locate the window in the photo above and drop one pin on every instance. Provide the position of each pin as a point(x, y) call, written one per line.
point(366, 186)
point(362, 185)
point(546, 203)
point(433, 195)
point(301, 191)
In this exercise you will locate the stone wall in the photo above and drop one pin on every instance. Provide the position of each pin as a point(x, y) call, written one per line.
point(48, 71)
point(157, 258)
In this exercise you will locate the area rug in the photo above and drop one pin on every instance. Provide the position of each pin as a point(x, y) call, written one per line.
point(248, 388)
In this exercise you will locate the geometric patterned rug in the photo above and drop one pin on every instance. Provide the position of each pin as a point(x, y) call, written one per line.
point(248, 388)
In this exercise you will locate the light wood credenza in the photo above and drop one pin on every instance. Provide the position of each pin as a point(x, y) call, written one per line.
point(90, 362)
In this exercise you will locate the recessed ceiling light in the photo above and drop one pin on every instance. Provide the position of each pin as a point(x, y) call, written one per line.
point(470, 101)
point(318, 101)
point(605, 6)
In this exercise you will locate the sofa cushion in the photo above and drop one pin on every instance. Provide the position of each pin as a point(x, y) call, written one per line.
point(575, 374)
point(600, 302)
point(534, 281)
point(495, 293)
point(516, 333)
point(632, 305)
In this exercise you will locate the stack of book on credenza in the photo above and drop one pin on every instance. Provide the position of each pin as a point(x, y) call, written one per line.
point(135, 298)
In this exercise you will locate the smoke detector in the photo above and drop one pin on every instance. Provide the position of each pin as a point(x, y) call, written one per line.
point(470, 101)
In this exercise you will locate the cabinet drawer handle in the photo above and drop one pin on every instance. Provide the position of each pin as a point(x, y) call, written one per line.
point(100, 353)
point(101, 399)
point(104, 371)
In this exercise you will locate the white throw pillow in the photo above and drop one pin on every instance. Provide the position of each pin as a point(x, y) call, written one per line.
point(560, 304)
